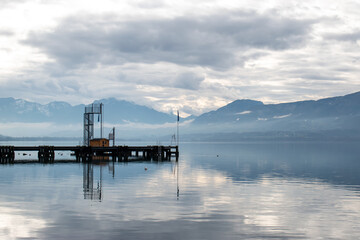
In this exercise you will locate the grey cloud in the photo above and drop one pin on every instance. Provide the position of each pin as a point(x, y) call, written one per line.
point(321, 77)
point(39, 88)
point(352, 37)
point(149, 4)
point(10, 3)
point(216, 41)
point(6, 32)
point(189, 81)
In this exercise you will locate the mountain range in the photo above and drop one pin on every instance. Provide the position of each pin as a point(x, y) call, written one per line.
point(249, 110)
point(115, 111)
point(329, 118)
point(240, 119)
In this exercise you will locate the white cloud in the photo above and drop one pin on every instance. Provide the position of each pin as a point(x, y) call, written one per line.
point(244, 112)
point(195, 56)
point(282, 116)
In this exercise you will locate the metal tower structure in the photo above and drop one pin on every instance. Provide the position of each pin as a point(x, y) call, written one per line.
point(90, 111)
point(112, 136)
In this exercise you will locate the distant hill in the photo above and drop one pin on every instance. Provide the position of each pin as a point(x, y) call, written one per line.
point(249, 110)
point(329, 118)
point(19, 110)
point(336, 118)
point(115, 111)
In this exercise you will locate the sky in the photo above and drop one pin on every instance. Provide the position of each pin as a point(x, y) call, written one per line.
point(194, 56)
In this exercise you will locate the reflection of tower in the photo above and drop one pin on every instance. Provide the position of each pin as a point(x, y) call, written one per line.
point(112, 169)
point(88, 183)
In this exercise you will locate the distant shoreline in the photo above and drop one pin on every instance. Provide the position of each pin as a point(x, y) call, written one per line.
point(213, 138)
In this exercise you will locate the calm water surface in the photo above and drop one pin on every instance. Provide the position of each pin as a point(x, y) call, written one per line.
point(216, 191)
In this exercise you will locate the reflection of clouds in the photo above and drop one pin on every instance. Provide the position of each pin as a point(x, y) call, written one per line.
point(210, 204)
point(263, 220)
point(291, 207)
point(204, 179)
point(15, 225)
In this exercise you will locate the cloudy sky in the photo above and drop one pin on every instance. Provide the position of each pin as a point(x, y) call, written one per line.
point(192, 55)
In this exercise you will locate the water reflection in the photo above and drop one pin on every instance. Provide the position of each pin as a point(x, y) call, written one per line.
point(93, 183)
point(88, 182)
point(248, 192)
point(337, 163)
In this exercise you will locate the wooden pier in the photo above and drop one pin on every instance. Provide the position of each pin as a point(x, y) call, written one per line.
point(46, 154)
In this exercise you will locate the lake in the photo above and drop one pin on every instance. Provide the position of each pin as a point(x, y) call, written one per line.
point(300, 190)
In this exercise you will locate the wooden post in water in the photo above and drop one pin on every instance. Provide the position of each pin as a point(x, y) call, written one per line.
point(7, 154)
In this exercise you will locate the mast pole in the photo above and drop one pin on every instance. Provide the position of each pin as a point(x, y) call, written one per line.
point(177, 136)
point(101, 123)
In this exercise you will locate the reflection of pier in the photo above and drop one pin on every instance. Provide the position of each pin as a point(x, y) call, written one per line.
point(46, 154)
point(93, 174)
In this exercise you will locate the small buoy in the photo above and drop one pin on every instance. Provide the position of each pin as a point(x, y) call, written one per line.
point(217, 155)
point(145, 168)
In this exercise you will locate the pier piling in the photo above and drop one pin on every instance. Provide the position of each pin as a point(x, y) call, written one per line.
point(7, 154)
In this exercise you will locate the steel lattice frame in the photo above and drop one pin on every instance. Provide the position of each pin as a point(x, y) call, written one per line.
point(90, 111)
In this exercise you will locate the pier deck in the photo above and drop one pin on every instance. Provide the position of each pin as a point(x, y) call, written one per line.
point(46, 154)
